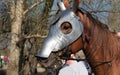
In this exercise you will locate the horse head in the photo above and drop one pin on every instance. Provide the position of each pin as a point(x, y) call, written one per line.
point(65, 29)
point(77, 29)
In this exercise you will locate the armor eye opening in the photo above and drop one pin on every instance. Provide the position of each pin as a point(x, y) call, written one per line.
point(66, 27)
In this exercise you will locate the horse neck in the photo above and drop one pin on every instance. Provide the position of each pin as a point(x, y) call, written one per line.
point(103, 48)
point(86, 30)
point(87, 33)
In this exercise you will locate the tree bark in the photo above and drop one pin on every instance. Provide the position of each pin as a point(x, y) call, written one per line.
point(30, 62)
point(16, 22)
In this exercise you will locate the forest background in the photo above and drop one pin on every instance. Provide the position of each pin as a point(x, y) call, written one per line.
point(24, 25)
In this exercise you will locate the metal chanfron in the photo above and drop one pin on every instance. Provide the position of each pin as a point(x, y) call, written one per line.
point(56, 39)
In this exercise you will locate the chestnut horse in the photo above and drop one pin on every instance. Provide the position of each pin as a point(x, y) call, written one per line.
point(100, 45)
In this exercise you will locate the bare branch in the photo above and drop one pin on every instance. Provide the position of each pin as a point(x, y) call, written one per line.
point(32, 6)
point(35, 36)
point(32, 36)
point(96, 11)
point(24, 38)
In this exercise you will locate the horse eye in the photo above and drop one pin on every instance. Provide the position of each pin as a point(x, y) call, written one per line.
point(66, 27)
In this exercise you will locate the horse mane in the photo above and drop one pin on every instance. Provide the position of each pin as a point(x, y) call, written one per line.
point(102, 40)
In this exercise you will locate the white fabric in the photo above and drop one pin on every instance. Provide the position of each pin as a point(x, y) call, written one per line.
point(77, 68)
point(2, 57)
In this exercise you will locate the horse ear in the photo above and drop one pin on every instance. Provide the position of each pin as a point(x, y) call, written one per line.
point(75, 4)
point(66, 3)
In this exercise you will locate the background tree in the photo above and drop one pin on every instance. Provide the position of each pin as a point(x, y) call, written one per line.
point(16, 16)
point(107, 11)
point(34, 29)
point(4, 25)
point(23, 57)
point(114, 16)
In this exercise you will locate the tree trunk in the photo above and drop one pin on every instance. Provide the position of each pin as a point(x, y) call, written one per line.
point(16, 21)
point(29, 62)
